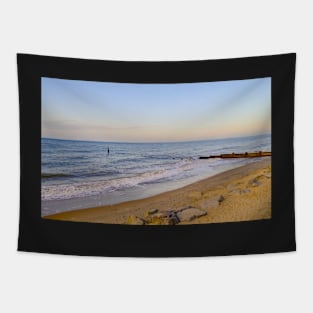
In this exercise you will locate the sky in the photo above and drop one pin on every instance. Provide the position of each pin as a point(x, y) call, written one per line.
point(123, 112)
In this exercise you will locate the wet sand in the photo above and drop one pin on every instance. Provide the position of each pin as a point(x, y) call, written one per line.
point(240, 194)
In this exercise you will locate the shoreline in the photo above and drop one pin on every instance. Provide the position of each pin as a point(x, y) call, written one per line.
point(239, 194)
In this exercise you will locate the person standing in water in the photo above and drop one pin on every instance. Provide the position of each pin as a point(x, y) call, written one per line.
point(108, 150)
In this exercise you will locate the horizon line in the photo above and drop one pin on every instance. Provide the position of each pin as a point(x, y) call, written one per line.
point(147, 142)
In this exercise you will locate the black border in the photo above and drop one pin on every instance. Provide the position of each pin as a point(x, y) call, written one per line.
point(264, 236)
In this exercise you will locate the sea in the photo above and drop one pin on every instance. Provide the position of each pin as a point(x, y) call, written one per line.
point(82, 174)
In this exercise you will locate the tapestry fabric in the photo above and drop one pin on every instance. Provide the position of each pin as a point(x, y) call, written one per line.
point(156, 159)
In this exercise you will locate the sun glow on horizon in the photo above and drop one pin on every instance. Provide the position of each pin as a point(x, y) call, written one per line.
point(122, 112)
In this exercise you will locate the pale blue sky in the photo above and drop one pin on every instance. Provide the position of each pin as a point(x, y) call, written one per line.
point(84, 110)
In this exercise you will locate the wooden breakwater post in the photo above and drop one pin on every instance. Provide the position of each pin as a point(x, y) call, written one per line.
point(238, 155)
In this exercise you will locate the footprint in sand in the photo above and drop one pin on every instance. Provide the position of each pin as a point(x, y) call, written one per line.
point(240, 191)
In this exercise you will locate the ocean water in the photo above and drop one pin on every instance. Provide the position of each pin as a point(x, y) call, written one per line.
point(81, 174)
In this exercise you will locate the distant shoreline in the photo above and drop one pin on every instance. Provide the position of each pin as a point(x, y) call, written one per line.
point(240, 194)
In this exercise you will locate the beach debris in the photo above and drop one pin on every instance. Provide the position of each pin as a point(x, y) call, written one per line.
point(240, 191)
point(152, 211)
point(164, 218)
point(255, 182)
point(219, 198)
point(176, 216)
point(135, 220)
point(190, 213)
point(195, 194)
point(267, 175)
point(211, 203)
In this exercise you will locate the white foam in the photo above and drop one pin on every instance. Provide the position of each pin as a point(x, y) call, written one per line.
point(92, 188)
point(179, 171)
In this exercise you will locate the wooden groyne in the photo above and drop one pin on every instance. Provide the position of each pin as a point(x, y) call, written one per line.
point(238, 155)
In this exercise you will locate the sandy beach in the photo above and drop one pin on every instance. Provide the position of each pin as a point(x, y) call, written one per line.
point(240, 194)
